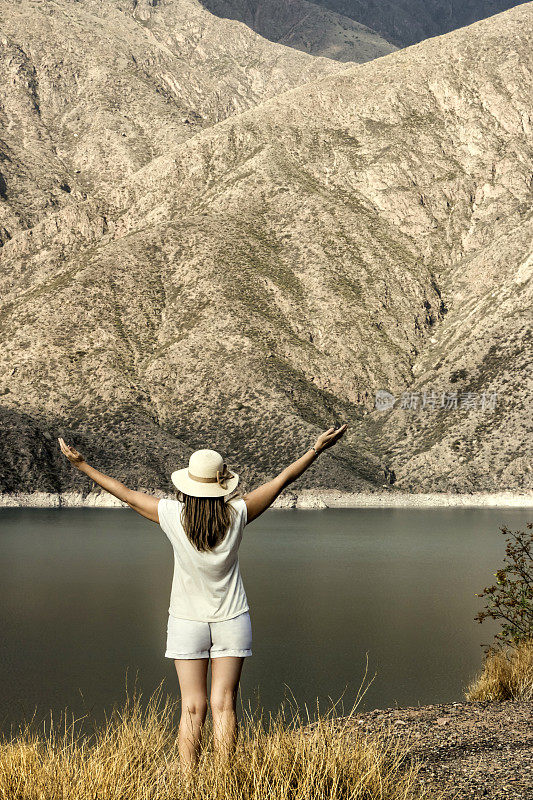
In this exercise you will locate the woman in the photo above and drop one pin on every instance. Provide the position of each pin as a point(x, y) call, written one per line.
point(208, 614)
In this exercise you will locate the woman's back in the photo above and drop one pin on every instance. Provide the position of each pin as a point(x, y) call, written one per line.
point(206, 585)
point(209, 619)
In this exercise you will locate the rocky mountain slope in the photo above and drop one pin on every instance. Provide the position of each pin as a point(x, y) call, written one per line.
point(241, 285)
point(98, 89)
point(406, 22)
point(306, 26)
point(354, 30)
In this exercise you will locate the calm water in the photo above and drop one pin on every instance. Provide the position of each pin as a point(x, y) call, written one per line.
point(84, 596)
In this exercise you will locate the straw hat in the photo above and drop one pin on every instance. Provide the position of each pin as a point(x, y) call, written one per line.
point(206, 476)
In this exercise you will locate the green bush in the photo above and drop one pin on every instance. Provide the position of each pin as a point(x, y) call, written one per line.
point(510, 599)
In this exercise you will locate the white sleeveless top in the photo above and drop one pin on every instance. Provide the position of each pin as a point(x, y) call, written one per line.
point(207, 586)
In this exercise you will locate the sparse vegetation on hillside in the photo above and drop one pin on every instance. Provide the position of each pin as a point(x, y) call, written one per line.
point(229, 228)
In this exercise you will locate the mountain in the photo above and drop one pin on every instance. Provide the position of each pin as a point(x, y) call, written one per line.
point(306, 26)
point(406, 22)
point(354, 30)
point(99, 89)
point(245, 285)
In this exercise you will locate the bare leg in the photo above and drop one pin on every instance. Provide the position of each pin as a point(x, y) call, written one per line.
point(225, 676)
point(192, 677)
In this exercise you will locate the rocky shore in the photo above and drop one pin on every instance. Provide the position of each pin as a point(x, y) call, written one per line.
point(467, 750)
point(305, 499)
point(324, 498)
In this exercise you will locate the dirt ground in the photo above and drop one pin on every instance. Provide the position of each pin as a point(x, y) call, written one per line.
point(467, 750)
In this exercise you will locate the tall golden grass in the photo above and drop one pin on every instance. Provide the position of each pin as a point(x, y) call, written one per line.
point(132, 755)
point(506, 675)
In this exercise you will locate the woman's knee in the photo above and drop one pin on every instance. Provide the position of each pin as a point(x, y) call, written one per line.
point(222, 699)
point(194, 706)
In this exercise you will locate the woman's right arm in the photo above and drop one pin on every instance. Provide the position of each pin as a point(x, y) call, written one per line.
point(144, 504)
point(261, 498)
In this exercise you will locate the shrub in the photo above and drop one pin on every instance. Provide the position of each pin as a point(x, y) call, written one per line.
point(510, 600)
point(506, 675)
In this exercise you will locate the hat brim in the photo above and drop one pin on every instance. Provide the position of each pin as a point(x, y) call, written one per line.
point(180, 479)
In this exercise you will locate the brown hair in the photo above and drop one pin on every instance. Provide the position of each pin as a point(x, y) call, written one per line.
point(206, 520)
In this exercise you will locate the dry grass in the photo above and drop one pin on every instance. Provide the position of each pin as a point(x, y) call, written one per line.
point(506, 675)
point(132, 756)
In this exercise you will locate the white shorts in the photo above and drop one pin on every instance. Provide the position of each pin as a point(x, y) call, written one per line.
point(188, 638)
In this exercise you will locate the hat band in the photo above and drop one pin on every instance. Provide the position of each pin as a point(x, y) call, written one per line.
point(206, 480)
point(201, 480)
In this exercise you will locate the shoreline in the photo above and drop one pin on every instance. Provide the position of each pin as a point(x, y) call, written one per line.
point(306, 499)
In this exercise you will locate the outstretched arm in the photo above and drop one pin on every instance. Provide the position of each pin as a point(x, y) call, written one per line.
point(143, 504)
point(261, 498)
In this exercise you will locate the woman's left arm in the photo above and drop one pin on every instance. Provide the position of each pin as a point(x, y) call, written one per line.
point(143, 504)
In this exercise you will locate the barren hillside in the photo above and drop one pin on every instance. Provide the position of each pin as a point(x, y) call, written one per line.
point(241, 286)
point(96, 89)
point(354, 30)
point(306, 26)
point(406, 22)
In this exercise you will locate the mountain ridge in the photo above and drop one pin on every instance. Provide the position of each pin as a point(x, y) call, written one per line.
point(306, 26)
point(399, 24)
point(405, 22)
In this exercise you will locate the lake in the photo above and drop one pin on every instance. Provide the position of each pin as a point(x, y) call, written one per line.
point(84, 596)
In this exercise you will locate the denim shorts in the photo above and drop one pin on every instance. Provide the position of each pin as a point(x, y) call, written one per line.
point(188, 638)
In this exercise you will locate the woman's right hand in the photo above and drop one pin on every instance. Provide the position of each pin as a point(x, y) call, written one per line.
point(73, 456)
point(330, 437)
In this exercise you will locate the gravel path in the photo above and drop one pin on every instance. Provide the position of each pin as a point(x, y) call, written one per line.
point(468, 750)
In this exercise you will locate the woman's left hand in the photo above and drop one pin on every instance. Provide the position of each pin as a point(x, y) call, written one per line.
point(73, 456)
point(330, 437)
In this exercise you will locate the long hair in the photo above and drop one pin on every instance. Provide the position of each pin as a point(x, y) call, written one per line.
point(206, 520)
